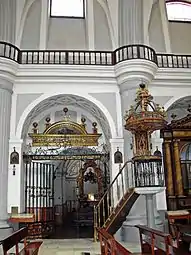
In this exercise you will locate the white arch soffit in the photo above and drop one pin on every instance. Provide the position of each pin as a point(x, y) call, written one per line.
point(173, 100)
point(21, 25)
point(109, 20)
point(31, 106)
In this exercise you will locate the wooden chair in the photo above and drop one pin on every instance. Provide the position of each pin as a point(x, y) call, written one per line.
point(30, 248)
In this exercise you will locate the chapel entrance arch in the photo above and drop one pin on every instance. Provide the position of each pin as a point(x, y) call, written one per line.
point(58, 144)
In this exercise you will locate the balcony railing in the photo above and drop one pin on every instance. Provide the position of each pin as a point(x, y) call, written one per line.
point(103, 58)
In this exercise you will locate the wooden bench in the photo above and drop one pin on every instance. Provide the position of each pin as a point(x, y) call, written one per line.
point(30, 248)
point(109, 245)
point(155, 242)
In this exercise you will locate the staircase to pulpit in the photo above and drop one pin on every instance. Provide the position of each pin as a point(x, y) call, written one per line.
point(122, 194)
point(116, 203)
point(143, 171)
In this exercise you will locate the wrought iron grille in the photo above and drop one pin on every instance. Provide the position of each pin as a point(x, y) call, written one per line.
point(39, 196)
point(148, 173)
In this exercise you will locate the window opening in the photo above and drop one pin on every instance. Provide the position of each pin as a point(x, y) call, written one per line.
point(178, 11)
point(67, 8)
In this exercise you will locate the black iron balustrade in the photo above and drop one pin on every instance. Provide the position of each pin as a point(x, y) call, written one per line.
point(135, 51)
point(66, 57)
point(148, 173)
point(173, 61)
point(103, 58)
point(8, 50)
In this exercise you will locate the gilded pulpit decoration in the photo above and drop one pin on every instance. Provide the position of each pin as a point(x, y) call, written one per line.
point(142, 119)
point(14, 157)
point(65, 133)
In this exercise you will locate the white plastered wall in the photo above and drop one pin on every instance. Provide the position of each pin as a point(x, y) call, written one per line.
point(35, 29)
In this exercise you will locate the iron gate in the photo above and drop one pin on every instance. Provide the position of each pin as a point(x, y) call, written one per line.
point(39, 198)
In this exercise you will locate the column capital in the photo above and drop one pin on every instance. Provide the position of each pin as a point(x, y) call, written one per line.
point(167, 141)
point(176, 140)
point(15, 141)
point(131, 73)
point(6, 85)
point(117, 141)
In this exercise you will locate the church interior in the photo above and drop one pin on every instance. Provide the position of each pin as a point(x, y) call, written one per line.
point(95, 127)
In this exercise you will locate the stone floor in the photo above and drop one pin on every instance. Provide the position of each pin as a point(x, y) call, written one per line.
point(73, 247)
point(69, 247)
point(76, 247)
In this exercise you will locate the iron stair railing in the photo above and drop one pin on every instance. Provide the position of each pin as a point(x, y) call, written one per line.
point(132, 175)
point(116, 190)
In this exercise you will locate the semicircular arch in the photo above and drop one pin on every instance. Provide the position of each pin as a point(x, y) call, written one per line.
point(88, 102)
point(174, 100)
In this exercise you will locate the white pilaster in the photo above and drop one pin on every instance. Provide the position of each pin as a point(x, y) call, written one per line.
point(13, 115)
point(161, 196)
point(147, 9)
point(116, 143)
point(90, 30)
point(5, 112)
point(43, 24)
point(7, 20)
point(16, 180)
point(165, 25)
point(130, 22)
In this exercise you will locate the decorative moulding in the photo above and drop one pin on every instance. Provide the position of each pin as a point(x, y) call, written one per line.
point(139, 69)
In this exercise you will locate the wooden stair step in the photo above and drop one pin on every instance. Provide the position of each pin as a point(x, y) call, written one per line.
point(117, 217)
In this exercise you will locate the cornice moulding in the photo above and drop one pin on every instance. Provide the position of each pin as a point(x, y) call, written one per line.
point(66, 71)
point(8, 69)
point(174, 76)
point(138, 69)
point(122, 74)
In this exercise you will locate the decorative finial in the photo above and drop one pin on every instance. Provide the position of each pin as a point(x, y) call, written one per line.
point(173, 116)
point(47, 124)
point(94, 124)
point(35, 125)
point(65, 110)
point(189, 108)
point(143, 98)
point(142, 86)
point(83, 120)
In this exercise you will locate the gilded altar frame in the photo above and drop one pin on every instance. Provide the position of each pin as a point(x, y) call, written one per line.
point(65, 133)
point(98, 174)
point(175, 135)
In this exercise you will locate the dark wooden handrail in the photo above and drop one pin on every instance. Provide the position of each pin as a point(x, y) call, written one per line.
point(152, 231)
point(154, 241)
point(109, 245)
point(85, 57)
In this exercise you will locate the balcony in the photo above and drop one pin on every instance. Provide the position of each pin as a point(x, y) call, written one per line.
point(101, 58)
